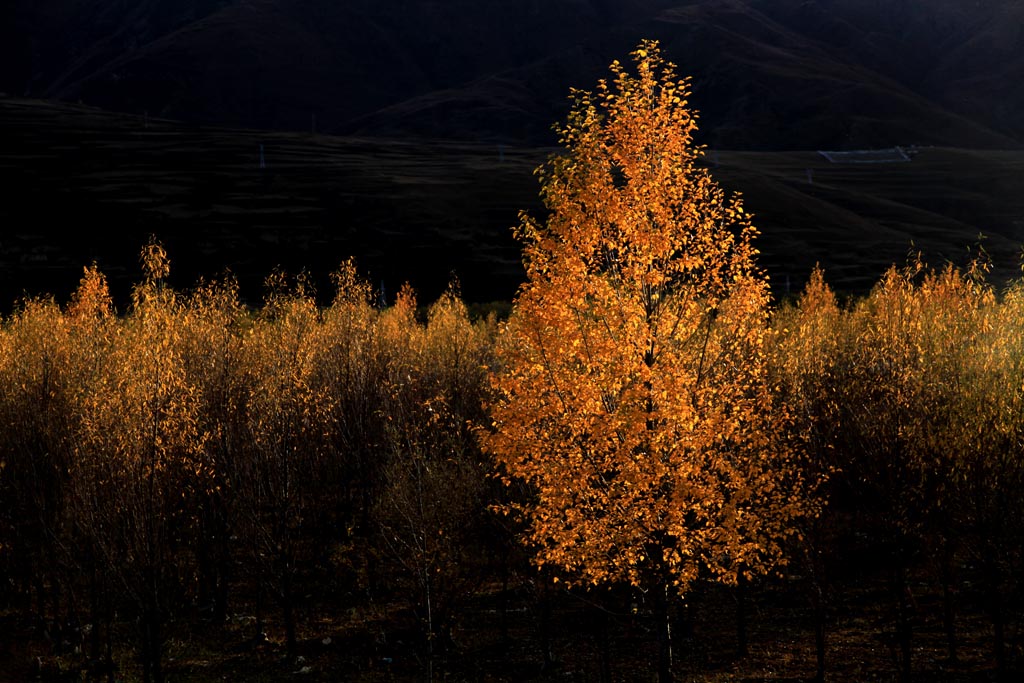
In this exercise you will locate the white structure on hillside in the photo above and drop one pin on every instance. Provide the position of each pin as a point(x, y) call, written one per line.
point(891, 155)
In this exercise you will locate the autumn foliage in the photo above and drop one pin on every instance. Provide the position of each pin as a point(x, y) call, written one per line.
point(910, 398)
point(630, 381)
point(191, 451)
point(647, 429)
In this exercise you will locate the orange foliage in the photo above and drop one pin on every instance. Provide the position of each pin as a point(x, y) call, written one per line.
point(630, 385)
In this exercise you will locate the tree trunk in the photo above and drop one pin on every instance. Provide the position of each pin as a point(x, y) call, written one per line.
point(204, 561)
point(664, 616)
point(220, 602)
point(819, 630)
point(289, 615)
point(109, 663)
point(152, 672)
point(40, 590)
point(948, 607)
point(55, 605)
point(741, 618)
point(258, 621)
point(904, 628)
point(545, 621)
point(603, 645)
point(998, 631)
point(222, 564)
point(503, 628)
point(94, 611)
point(429, 604)
point(289, 630)
point(816, 567)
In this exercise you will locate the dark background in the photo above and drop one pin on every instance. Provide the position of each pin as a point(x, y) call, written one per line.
point(404, 133)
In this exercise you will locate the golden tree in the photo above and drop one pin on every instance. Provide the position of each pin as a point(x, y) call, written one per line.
point(808, 347)
point(142, 447)
point(983, 433)
point(210, 341)
point(903, 398)
point(433, 498)
point(630, 385)
point(286, 431)
point(36, 448)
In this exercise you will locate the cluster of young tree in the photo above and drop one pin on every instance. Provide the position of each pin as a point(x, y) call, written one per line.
point(157, 462)
point(911, 405)
point(643, 419)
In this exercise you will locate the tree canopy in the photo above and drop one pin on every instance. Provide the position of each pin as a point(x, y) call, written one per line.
point(630, 386)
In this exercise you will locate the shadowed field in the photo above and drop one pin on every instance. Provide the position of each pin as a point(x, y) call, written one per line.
point(80, 184)
point(857, 219)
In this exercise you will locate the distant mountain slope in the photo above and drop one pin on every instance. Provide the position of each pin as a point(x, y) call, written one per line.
point(276, 63)
point(769, 74)
point(777, 80)
point(423, 211)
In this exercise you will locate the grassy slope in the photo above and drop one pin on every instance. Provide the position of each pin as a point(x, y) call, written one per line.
point(855, 220)
point(81, 184)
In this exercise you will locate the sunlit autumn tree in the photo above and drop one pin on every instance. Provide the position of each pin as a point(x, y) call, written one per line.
point(286, 434)
point(141, 456)
point(355, 361)
point(808, 354)
point(210, 341)
point(897, 418)
point(986, 470)
point(954, 342)
point(630, 385)
point(907, 398)
point(432, 503)
point(36, 447)
point(90, 321)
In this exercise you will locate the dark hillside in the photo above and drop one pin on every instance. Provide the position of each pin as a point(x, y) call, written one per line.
point(779, 74)
point(83, 184)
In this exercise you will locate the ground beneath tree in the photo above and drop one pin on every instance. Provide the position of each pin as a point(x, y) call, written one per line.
point(500, 636)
